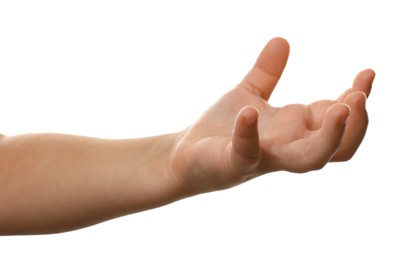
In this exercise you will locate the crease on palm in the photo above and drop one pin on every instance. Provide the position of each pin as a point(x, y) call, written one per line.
point(288, 135)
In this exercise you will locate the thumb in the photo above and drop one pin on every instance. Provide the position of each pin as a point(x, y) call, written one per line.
point(245, 151)
point(268, 69)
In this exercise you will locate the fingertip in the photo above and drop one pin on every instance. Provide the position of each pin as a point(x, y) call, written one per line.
point(363, 81)
point(249, 114)
point(278, 47)
point(370, 74)
point(367, 73)
point(357, 100)
point(326, 140)
point(356, 127)
point(280, 41)
point(339, 111)
point(266, 72)
point(246, 122)
point(371, 71)
point(245, 139)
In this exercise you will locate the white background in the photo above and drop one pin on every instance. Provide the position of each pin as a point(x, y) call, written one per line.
point(120, 69)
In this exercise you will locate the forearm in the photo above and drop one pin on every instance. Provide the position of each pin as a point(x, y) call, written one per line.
point(53, 183)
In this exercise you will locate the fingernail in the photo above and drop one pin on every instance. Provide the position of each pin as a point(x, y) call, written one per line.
point(344, 118)
point(362, 101)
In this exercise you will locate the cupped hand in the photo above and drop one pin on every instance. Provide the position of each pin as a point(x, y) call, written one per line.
point(241, 136)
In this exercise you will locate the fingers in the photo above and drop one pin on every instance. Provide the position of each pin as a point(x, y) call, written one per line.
point(268, 68)
point(323, 143)
point(362, 82)
point(356, 126)
point(245, 140)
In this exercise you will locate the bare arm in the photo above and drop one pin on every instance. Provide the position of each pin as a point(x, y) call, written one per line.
point(53, 183)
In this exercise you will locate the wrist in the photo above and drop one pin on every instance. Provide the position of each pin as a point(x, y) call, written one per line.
point(156, 181)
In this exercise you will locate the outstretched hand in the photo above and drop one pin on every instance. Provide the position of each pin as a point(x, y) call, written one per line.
point(241, 136)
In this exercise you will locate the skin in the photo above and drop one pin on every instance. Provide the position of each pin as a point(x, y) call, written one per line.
point(52, 183)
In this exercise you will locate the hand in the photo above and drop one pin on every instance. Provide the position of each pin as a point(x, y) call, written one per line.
point(241, 136)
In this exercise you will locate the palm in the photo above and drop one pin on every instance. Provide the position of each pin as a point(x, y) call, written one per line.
point(222, 149)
